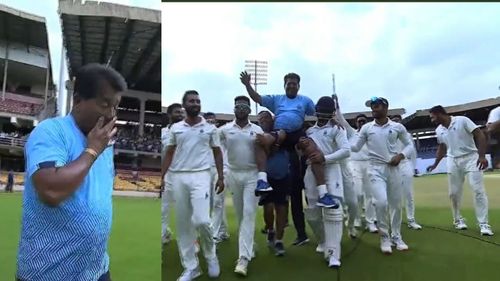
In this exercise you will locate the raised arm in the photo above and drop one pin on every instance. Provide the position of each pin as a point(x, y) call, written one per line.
point(54, 179)
point(342, 121)
point(359, 140)
point(245, 80)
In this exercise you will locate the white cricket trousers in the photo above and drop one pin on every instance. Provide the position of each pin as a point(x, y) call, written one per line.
point(362, 186)
point(386, 184)
point(350, 193)
point(407, 173)
point(458, 168)
point(166, 202)
point(218, 208)
point(191, 192)
point(326, 223)
point(242, 184)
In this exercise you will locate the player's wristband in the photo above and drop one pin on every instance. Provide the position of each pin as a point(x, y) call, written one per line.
point(91, 152)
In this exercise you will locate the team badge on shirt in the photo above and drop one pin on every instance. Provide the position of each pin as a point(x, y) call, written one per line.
point(201, 131)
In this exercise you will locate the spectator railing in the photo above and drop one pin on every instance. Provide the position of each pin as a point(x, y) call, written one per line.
point(12, 141)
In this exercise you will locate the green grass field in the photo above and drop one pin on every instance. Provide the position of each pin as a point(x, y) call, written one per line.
point(435, 254)
point(134, 247)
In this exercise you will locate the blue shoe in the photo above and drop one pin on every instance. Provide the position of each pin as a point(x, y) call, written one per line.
point(262, 186)
point(328, 201)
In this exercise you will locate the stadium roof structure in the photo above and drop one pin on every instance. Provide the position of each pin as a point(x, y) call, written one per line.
point(22, 27)
point(477, 111)
point(27, 29)
point(126, 38)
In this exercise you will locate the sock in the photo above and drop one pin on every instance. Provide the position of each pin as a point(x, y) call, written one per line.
point(322, 190)
point(262, 176)
point(277, 241)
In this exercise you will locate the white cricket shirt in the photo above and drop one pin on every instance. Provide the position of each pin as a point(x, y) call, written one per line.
point(382, 141)
point(240, 144)
point(193, 146)
point(458, 136)
point(332, 141)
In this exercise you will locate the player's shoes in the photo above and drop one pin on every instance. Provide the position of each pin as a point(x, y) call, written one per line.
point(371, 227)
point(412, 224)
point(189, 275)
point(213, 268)
point(460, 224)
point(333, 262)
point(357, 223)
point(262, 186)
point(300, 241)
point(270, 238)
point(328, 201)
point(241, 266)
point(279, 249)
point(320, 248)
point(486, 229)
point(386, 245)
point(399, 243)
point(353, 233)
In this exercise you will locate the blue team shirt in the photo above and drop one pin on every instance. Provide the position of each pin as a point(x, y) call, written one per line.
point(289, 113)
point(68, 242)
point(277, 164)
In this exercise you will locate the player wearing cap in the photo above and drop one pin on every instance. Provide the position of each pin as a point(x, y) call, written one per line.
point(188, 159)
point(464, 145)
point(331, 140)
point(408, 166)
point(381, 137)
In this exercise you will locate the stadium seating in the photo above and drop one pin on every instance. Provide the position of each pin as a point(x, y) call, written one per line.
point(20, 107)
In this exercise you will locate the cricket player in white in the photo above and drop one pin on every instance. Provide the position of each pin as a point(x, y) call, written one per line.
point(408, 167)
point(187, 160)
point(217, 201)
point(381, 137)
point(465, 147)
point(326, 223)
point(493, 123)
point(359, 162)
point(174, 114)
point(238, 137)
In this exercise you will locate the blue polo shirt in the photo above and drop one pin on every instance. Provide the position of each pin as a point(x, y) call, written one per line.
point(67, 242)
point(289, 113)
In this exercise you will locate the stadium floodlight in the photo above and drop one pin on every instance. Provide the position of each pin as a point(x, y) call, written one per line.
point(258, 71)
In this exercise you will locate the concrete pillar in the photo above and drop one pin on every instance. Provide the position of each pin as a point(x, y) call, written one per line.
point(141, 117)
point(5, 69)
point(69, 97)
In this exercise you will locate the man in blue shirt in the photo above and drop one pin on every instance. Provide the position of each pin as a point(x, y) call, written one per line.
point(279, 178)
point(290, 110)
point(67, 206)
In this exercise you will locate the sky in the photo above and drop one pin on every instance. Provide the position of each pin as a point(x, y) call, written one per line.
point(415, 55)
point(48, 9)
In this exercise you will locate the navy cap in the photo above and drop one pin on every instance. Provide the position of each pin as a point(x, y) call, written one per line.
point(376, 100)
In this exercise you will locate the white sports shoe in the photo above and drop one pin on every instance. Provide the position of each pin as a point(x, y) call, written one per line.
point(486, 229)
point(189, 275)
point(167, 238)
point(196, 246)
point(213, 268)
point(399, 243)
point(241, 267)
point(386, 245)
point(333, 262)
point(320, 248)
point(372, 228)
point(357, 223)
point(412, 224)
point(460, 224)
point(353, 233)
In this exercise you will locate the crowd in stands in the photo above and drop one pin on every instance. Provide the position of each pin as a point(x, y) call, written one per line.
point(20, 107)
point(128, 138)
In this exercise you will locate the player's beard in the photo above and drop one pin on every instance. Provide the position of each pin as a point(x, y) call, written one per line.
point(193, 111)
